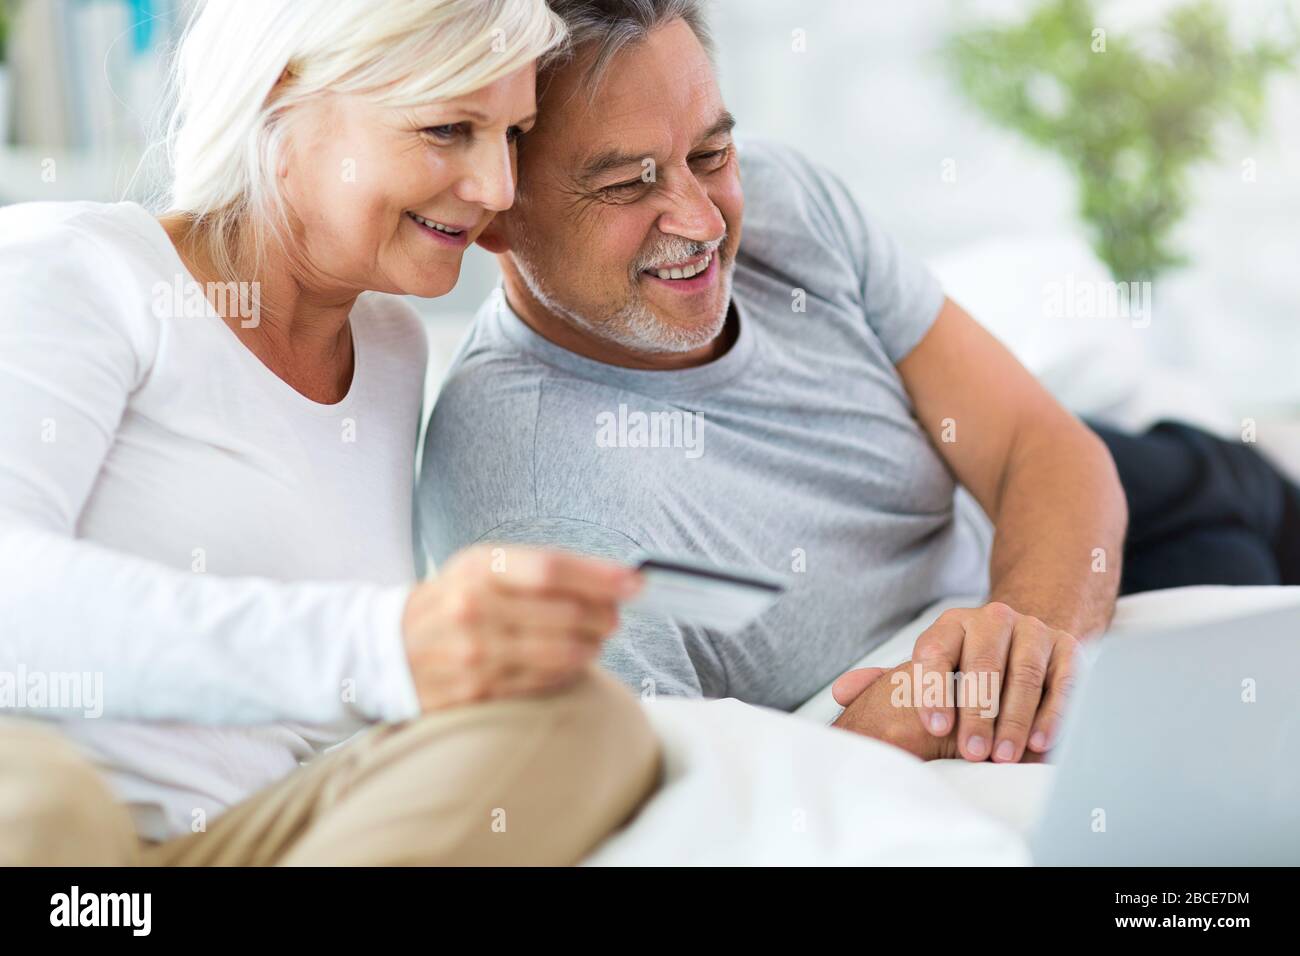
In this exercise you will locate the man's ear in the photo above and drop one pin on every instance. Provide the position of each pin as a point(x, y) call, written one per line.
point(496, 237)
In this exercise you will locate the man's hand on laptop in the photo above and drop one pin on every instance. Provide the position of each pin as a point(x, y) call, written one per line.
point(976, 675)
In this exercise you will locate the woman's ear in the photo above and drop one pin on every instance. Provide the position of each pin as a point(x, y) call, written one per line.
point(495, 238)
point(287, 76)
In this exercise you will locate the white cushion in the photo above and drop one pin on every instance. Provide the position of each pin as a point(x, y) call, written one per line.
point(1099, 367)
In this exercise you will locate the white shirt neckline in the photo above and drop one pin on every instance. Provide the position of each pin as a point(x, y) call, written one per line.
point(273, 381)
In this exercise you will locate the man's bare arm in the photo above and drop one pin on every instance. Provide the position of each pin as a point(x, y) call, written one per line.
point(1051, 489)
point(1046, 481)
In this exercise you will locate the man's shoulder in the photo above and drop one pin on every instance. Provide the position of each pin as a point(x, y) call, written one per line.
point(512, 437)
point(772, 162)
point(777, 174)
point(486, 407)
point(493, 379)
point(797, 213)
point(502, 400)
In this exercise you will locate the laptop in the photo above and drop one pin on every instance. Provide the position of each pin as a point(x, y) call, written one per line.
point(1182, 749)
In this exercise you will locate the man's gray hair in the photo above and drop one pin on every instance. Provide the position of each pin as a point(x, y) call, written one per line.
point(609, 26)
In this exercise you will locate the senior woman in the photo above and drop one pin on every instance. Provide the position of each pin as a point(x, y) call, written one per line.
point(206, 563)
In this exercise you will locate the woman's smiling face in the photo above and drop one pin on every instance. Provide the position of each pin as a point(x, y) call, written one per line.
point(388, 199)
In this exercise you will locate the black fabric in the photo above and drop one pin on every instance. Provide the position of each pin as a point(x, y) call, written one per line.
point(1202, 510)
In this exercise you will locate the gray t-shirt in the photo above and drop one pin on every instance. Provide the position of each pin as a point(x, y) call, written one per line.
point(796, 452)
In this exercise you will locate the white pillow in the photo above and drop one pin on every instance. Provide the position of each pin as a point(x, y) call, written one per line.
point(1098, 367)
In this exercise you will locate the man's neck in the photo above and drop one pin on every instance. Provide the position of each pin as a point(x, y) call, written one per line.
point(559, 331)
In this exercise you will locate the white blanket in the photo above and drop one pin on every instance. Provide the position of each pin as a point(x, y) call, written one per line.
point(749, 786)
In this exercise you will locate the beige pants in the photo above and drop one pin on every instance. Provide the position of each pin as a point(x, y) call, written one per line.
point(527, 781)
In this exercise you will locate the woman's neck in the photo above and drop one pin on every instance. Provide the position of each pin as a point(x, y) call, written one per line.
point(299, 332)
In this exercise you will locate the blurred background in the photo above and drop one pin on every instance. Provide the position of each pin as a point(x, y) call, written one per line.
point(1022, 147)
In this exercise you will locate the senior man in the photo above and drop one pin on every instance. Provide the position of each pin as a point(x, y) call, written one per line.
point(836, 413)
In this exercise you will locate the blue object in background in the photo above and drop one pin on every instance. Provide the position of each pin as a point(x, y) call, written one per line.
point(142, 17)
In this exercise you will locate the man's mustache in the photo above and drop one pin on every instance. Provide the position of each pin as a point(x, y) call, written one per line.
point(677, 250)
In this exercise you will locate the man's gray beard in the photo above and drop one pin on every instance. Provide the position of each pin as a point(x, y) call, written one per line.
point(633, 327)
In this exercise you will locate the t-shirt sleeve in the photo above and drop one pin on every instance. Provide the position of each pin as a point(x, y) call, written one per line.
point(641, 652)
point(900, 297)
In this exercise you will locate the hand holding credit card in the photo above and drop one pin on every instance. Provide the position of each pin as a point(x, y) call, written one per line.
point(702, 594)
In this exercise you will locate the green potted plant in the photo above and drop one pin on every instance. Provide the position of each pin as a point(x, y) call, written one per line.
point(4, 72)
point(1130, 113)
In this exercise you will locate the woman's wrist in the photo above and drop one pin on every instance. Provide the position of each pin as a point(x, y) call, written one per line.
point(391, 696)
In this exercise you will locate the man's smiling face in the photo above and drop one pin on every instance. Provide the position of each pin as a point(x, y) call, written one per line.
point(628, 215)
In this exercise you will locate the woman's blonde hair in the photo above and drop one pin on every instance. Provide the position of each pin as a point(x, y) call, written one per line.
point(225, 134)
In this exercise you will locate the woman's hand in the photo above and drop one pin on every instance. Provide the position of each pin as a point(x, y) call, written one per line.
point(501, 621)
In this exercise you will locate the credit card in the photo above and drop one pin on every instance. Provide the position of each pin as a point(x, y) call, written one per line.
point(704, 595)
